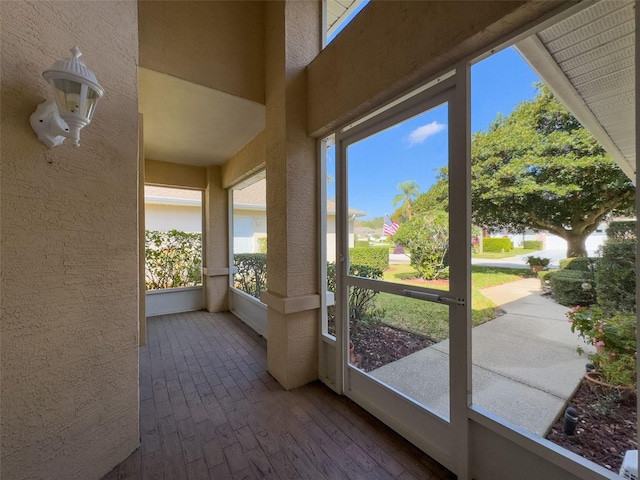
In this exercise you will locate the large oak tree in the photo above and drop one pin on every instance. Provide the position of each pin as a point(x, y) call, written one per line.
point(538, 168)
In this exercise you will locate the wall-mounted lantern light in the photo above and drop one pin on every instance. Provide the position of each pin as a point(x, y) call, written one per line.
point(76, 92)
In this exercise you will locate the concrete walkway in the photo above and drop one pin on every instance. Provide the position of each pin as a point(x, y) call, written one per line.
point(525, 365)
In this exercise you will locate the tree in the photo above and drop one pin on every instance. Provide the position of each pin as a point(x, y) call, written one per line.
point(538, 168)
point(437, 197)
point(410, 191)
point(426, 236)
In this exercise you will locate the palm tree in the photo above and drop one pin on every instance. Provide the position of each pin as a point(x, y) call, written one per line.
point(410, 191)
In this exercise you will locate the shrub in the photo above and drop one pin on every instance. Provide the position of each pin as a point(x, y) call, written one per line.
point(532, 244)
point(361, 244)
point(398, 249)
point(580, 264)
point(172, 259)
point(360, 299)
point(616, 276)
point(262, 244)
point(567, 289)
point(374, 257)
point(497, 245)
point(545, 279)
point(427, 237)
point(623, 230)
point(251, 274)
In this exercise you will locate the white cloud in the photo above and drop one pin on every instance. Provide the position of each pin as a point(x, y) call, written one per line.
point(420, 134)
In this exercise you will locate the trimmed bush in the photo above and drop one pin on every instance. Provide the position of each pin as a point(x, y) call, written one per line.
point(360, 299)
point(251, 276)
point(545, 279)
point(578, 264)
point(616, 277)
point(374, 257)
point(566, 286)
point(532, 244)
point(172, 259)
point(497, 245)
point(262, 244)
point(361, 244)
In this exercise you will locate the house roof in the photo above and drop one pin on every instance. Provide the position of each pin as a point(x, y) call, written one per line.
point(251, 197)
point(588, 62)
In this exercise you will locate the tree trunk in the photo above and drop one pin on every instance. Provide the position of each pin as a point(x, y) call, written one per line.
point(576, 246)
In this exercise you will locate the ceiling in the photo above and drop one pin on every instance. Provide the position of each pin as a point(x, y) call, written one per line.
point(588, 61)
point(192, 124)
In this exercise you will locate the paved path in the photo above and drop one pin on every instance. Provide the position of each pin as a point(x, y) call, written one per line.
point(525, 365)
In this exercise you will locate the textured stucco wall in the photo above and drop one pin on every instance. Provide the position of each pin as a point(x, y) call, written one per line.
point(174, 174)
point(246, 162)
point(217, 44)
point(69, 346)
point(391, 46)
point(216, 245)
point(292, 41)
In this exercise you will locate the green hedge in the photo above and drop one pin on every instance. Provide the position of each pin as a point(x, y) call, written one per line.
point(362, 244)
point(251, 275)
point(579, 264)
point(360, 299)
point(374, 257)
point(533, 244)
point(566, 286)
point(172, 259)
point(497, 245)
point(616, 277)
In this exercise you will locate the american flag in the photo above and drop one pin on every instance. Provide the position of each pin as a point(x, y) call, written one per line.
point(390, 228)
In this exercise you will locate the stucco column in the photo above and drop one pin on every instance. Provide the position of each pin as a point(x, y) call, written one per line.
point(293, 39)
point(216, 242)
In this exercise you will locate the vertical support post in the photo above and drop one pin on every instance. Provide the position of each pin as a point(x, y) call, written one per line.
point(293, 39)
point(460, 243)
point(142, 284)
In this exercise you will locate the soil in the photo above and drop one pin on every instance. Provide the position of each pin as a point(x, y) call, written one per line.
point(377, 344)
point(602, 437)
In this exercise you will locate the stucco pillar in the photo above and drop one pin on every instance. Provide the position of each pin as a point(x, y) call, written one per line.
point(293, 39)
point(216, 242)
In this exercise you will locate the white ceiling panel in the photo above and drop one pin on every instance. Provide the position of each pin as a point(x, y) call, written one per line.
point(588, 61)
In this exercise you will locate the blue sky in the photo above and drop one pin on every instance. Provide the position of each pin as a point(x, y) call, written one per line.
point(414, 149)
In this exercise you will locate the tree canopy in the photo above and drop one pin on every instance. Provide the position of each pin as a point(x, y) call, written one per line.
point(538, 168)
point(410, 191)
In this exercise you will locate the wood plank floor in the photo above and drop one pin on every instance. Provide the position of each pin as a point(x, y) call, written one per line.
point(210, 410)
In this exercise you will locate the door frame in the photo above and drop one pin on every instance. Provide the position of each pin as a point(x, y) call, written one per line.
point(434, 434)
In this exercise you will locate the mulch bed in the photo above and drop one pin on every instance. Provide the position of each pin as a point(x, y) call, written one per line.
point(377, 344)
point(603, 439)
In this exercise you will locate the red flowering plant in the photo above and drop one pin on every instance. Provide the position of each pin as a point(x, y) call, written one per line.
point(613, 336)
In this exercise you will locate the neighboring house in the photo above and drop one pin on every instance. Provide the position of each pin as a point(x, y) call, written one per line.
point(181, 209)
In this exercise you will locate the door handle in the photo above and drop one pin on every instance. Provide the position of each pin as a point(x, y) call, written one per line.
point(432, 297)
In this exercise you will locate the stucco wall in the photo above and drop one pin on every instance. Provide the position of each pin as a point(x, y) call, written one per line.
point(174, 174)
point(246, 162)
point(69, 346)
point(182, 39)
point(391, 46)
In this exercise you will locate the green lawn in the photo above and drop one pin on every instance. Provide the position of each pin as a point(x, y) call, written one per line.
point(431, 319)
point(516, 252)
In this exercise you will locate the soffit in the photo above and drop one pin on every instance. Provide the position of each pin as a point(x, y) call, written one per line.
point(588, 62)
point(338, 11)
point(192, 124)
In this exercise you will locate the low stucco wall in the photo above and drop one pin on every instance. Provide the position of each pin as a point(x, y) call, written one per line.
point(69, 346)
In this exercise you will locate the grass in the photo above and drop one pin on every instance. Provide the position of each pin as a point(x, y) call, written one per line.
point(516, 252)
point(432, 319)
